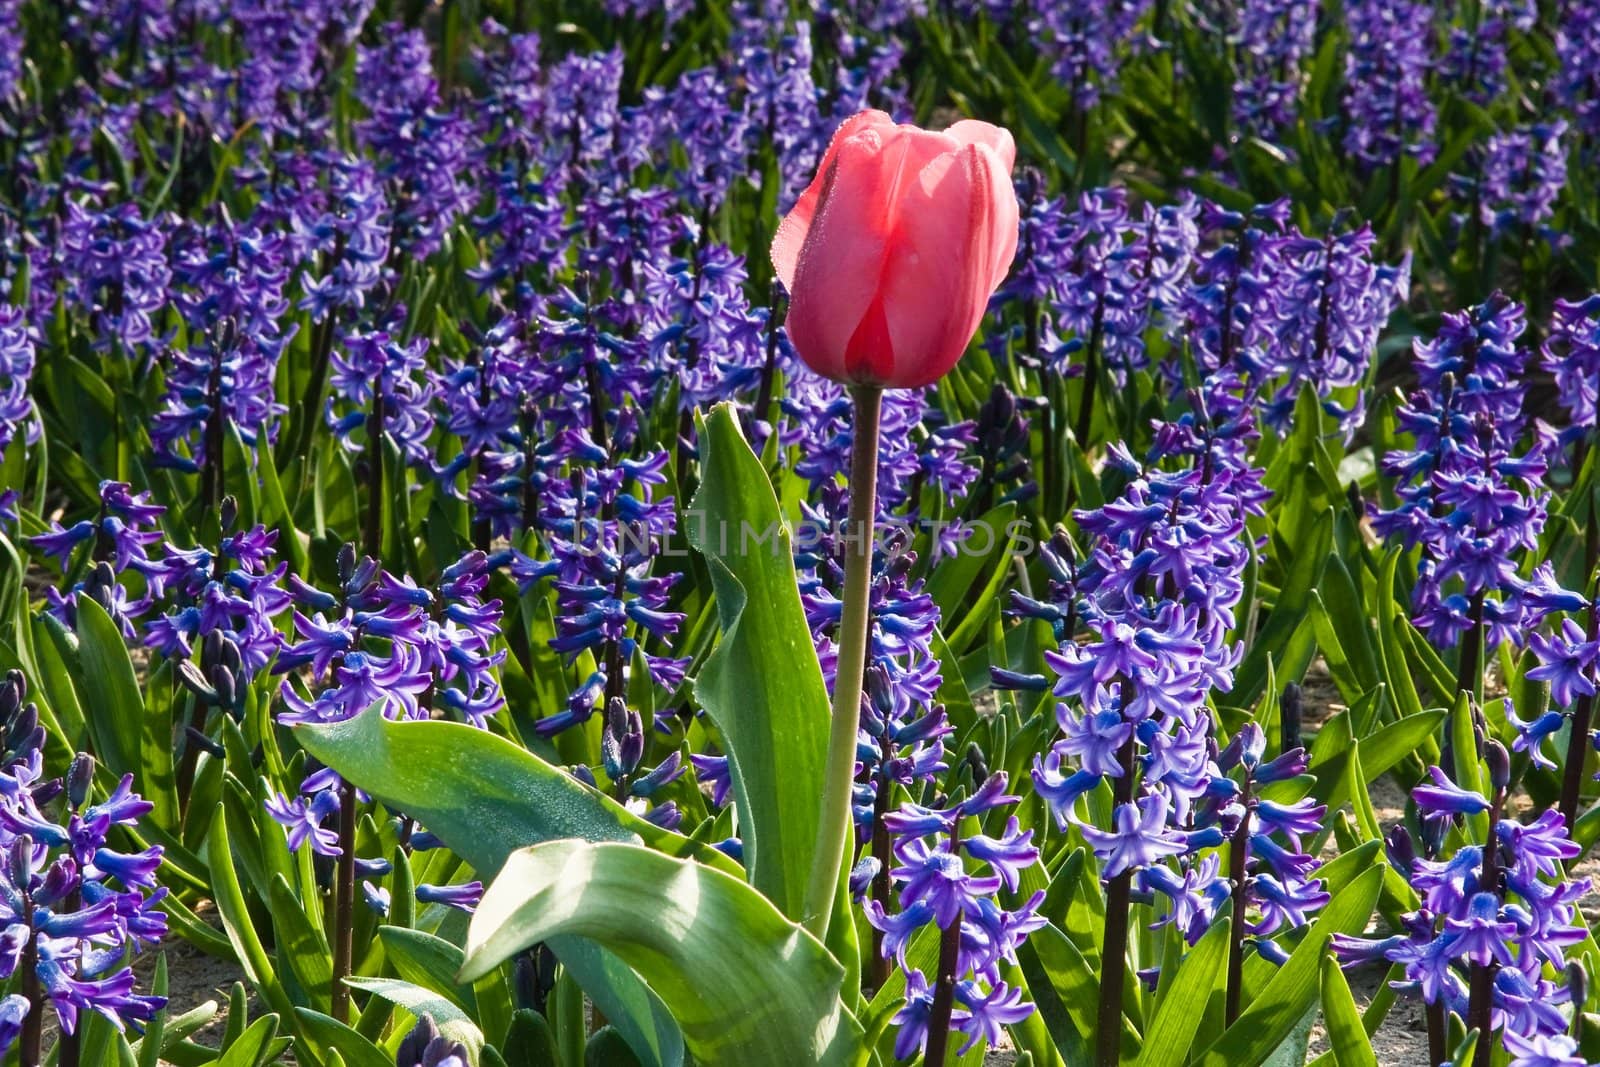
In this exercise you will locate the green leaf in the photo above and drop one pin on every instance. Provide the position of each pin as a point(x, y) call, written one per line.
point(1351, 1046)
point(451, 1020)
point(236, 921)
point(482, 795)
point(1275, 1010)
point(485, 797)
point(745, 984)
point(762, 685)
point(355, 1050)
point(251, 1047)
point(114, 708)
point(429, 962)
point(1178, 1015)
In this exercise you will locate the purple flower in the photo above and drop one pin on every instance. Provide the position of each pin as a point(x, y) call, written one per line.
point(1387, 110)
point(1141, 837)
point(16, 368)
point(935, 885)
point(1543, 1050)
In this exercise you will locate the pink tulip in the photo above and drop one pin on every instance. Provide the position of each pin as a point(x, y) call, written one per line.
point(892, 253)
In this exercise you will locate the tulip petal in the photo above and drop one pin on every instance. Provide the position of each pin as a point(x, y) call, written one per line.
point(843, 259)
point(938, 275)
point(791, 235)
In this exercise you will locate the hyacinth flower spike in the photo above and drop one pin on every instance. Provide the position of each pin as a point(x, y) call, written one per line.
point(890, 257)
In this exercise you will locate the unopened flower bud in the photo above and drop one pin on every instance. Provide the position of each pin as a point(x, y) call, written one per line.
point(861, 876)
point(879, 690)
point(1290, 711)
point(228, 512)
point(1499, 761)
point(225, 685)
point(1578, 983)
point(21, 860)
point(199, 740)
point(196, 682)
point(1402, 853)
point(211, 647)
point(977, 764)
point(346, 562)
point(622, 743)
point(79, 777)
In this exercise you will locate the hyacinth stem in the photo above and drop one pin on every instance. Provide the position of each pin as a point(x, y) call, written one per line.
point(1238, 865)
point(834, 828)
point(213, 476)
point(31, 1041)
point(1470, 678)
point(1480, 997)
point(344, 904)
point(880, 880)
point(1114, 954)
point(1583, 712)
point(311, 401)
point(944, 990)
point(372, 536)
point(1437, 1052)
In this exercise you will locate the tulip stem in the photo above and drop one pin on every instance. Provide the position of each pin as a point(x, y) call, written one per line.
point(834, 827)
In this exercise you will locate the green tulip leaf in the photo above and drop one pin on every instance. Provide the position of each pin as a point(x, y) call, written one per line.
point(762, 685)
point(745, 984)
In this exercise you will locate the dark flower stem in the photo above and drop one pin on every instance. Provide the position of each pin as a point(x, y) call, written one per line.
point(1114, 956)
point(1437, 1052)
point(834, 829)
point(944, 986)
point(1583, 712)
point(1238, 864)
point(1480, 998)
point(31, 1041)
point(373, 535)
point(213, 477)
point(1470, 677)
point(880, 852)
point(1091, 377)
point(344, 905)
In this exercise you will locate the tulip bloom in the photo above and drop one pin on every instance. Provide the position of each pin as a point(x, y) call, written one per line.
point(891, 254)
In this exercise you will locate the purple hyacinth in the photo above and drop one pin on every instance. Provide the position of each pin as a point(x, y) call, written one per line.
point(1329, 303)
point(382, 385)
point(1087, 44)
point(114, 264)
point(424, 149)
point(73, 904)
point(938, 883)
point(606, 525)
point(1496, 917)
point(1571, 353)
point(1272, 39)
point(1468, 494)
point(1387, 111)
point(1577, 79)
point(17, 418)
point(1523, 173)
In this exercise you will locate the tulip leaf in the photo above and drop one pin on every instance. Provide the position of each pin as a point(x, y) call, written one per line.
point(745, 984)
point(762, 685)
point(485, 797)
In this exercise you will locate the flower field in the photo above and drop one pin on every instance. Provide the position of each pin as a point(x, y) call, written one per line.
point(654, 533)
